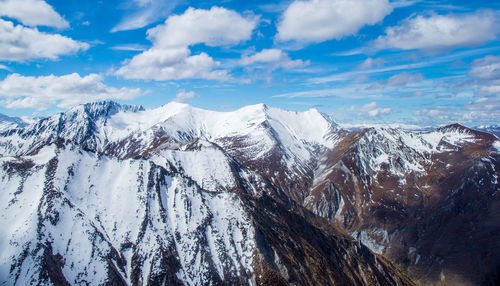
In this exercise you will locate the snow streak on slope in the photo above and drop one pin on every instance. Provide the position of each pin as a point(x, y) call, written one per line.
point(404, 151)
point(7, 122)
point(59, 202)
point(108, 192)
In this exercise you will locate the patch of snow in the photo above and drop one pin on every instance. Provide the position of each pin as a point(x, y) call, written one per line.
point(366, 237)
point(496, 145)
point(104, 203)
point(408, 127)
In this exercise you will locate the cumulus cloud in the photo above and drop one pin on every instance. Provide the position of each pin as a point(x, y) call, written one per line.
point(373, 110)
point(65, 91)
point(486, 68)
point(490, 89)
point(182, 96)
point(484, 109)
point(32, 13)
point(486, 71)
point(371, 63)
point(275, 58)
point(18, 43)
point(404, 79)
point(434, 114)
point(170, 58)
point(485, 104)
point(437, 33)
point(171, 64)
point(316, 21)
point(215, 27)
point(398, 81)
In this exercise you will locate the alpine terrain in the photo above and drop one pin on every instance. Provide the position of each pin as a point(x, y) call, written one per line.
point(110, 194)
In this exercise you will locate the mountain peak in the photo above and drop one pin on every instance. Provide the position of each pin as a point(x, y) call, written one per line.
point(7, 122)
point(208, 194)
point(260, 107)
point(454, 128)
point(176, 104)
point(98, 109)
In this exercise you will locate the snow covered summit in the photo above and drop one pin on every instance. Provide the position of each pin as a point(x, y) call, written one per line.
point(121, 195)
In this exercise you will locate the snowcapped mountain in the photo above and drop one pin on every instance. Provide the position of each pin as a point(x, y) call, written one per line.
point(119, 195)
point(493, 129)
point(115, 194)
point(425, 200)
point(7, 122)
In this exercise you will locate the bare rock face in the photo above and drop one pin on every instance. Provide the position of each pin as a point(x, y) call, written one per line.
point(106, 194)
point(297, 250)
point(426, 201)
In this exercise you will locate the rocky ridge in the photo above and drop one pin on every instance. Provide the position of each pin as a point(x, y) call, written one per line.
point(119, 195)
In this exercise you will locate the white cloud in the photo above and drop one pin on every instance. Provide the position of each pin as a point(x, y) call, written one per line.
point(435, 114)
point(4, 67)
point(485, 104)
point(215, 27)
point(145, 12)
point(170, 58)
point(32, 13)
point(343, 76)
point(371, 63)
point(275, 58)
point(436, 33)
point(484, 109)
point(403, 3)
point(373, 110)
point(398, 82)
point(182, 96)
point(171, 64)
point(486, 72)
point(349, 91)
point(316, 21)
point(128, 47)
point(404, 79)
point(17, 91)
point(18, 43)
point(490, 89)
point(487, 68)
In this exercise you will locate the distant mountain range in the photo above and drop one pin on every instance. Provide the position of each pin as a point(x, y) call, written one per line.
point(7, 122)
point(118, 195)
point(493, 129)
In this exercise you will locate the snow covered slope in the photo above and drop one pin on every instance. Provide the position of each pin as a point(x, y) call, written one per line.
point(130, 221)
point(101, 126)
point(107, 194)
point(7, 122)
point(119, 195)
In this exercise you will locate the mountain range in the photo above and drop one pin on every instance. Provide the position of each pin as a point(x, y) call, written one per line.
point(110, 194)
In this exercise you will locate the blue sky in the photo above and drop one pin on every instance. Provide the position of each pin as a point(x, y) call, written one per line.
point(363, 61)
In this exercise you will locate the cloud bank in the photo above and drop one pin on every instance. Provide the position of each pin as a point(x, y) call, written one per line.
point(170, 58)
point(18, 91)
point(316, 21)
point(437, 33)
